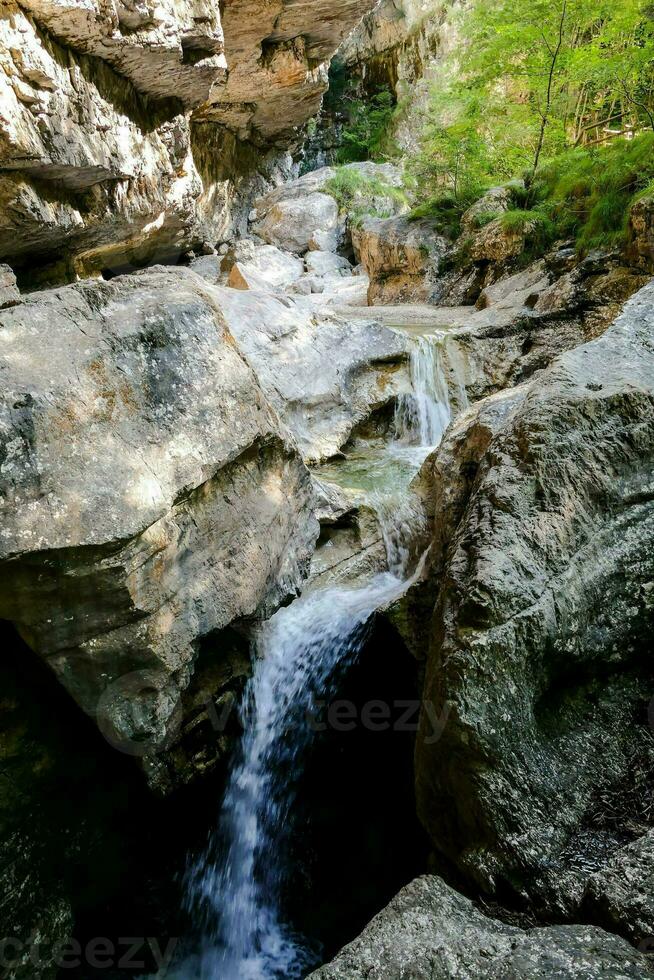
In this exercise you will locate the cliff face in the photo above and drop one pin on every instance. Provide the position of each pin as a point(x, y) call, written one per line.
point(130, 130)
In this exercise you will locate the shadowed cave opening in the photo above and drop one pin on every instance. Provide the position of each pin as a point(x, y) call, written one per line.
point(106, 855)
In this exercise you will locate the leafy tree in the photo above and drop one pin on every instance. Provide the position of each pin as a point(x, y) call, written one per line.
point(532, 78)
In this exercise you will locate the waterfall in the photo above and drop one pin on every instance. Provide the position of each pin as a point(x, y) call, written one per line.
point(302, 652)
point(235, 889)
point(422, 416)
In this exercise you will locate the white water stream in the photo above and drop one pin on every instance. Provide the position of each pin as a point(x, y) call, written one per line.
point(235, 889)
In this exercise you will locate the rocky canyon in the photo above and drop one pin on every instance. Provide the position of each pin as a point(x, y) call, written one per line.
point(326, 490)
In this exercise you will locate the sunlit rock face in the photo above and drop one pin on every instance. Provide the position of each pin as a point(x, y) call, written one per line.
point(149, 494)
point(130, 131)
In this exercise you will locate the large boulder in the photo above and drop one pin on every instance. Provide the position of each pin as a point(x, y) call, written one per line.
point(306, 214)
point(324, 373)
point(299, 225)
point(541, 588)
point(250, 266)
point(494, 202)
point(621, 895)
point(401, 257)
point(429, 932)
point(149, 495)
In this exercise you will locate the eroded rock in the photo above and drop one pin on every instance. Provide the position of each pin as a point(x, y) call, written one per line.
point(322, 372)
point(149, 496)
point(621, 896)
point(401, 257)
point(543, 579)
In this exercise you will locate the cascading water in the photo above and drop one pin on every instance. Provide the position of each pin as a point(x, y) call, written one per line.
point(235, 890)
point(302, 652)
point(423, 414)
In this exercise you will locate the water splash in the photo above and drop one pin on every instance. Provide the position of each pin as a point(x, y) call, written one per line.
point(302, 653)
point(235, 890)
point(423, 415)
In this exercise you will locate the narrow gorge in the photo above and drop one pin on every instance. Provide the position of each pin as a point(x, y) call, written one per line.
point(327, 489)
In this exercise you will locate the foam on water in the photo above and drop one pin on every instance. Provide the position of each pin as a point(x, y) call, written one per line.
point(422, 415)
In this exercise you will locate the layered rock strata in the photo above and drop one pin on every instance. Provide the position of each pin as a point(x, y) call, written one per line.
point(128, 132)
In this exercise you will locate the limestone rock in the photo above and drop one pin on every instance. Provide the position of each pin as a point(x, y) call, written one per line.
point(327, 263)
point(290, 200)
point(519, 291)
point(401, 257)
point(149, 495)
point(122, 140)
point(495, 201)
point(251, 266)
point(170, 49)
point(277, 54)
point(322, 373)
point(542, 574)
point(309, 223)
point(497, 244)
point(429, 932)
point(621, 896)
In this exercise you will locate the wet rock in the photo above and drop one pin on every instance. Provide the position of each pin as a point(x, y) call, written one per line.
point(401, 257)
point(429, 932)
point(149, 495)
point(543, 579)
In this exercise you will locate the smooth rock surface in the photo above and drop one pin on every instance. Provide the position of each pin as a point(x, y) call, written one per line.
point(149, 495)
point(309, 223)
point(261, 267)
point(322, 373)
point(429, 932)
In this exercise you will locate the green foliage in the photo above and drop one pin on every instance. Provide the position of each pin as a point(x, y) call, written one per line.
point(445, 211)
point(357, 194)
point(538, 88)
point(365, 136)
point(587, 192)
